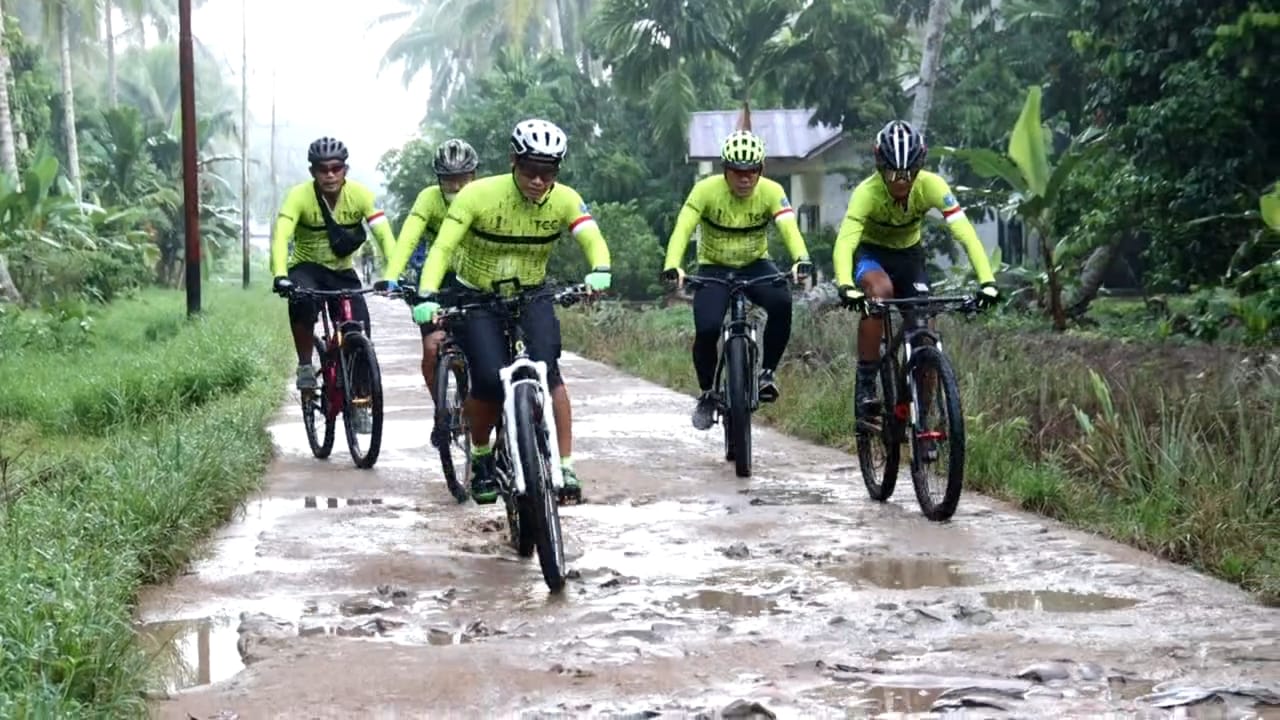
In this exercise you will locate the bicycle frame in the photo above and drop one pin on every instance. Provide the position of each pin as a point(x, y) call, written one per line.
point(335, 331)
point(915, 313)
point(738, 323)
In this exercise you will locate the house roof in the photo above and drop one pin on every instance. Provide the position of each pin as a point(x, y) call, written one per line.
point(787, 133)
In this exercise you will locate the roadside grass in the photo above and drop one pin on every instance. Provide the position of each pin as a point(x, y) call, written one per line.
point(1170, 448)
point(119, 452)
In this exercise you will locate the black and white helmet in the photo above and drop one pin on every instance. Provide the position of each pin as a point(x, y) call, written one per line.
point(455, 157)
point(539, 140)
point(899, 146)
point(326, 148)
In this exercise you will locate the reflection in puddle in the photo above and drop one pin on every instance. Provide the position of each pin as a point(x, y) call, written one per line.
point(790, 495)
point(892, 698)
point(729, 602)
point(192, 652)
point(906, 573)
point(1054, 601)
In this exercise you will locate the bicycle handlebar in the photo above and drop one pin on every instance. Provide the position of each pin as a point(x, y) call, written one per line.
point(564, 296)
point(309, 292)
point(928, 305)
point(735, 283)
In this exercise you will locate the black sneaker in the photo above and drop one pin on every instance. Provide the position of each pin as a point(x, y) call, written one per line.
point(869, 414)
point(484, 480)
point(704, 415)
point(768, 388)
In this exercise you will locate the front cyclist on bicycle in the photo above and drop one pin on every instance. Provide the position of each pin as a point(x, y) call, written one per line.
point(500, 227)
point(455, 166)
point(735, 209)
point(325, 219)
point(882, 226)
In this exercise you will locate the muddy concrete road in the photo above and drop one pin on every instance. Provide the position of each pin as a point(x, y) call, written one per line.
point(347, 593)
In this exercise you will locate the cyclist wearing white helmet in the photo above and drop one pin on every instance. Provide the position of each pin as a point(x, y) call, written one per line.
point(500, 228)
point(880, 234)
point(455, 165)
point(325, 218)
point(735, 209)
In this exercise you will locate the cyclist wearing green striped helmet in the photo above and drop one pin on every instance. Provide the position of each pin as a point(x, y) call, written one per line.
point(734, 210)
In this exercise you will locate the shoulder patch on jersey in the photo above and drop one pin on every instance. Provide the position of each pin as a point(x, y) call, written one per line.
point(949, 200)
point(785, 202)
point(582, 207)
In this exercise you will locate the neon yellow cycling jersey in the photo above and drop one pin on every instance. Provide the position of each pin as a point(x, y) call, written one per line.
point(428, 213)
point(300, 219)
point(735, 231)
point(497, 234)
point(875, 217)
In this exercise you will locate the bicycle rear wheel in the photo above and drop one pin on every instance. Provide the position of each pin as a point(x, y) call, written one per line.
point(739, 399)
point(452, 432)
point(880, 475)
point(940, 423)
point(315, 407)
point(535, 460)
point(361, 392)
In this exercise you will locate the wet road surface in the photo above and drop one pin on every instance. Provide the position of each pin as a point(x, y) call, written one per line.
point(339, 592)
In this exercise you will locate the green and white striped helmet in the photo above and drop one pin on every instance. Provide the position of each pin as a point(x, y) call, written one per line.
point(742, 150)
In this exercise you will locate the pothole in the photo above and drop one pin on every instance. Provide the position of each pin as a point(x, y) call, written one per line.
point(732, 603)
point(1055, 601)
point(905, 573)
point(897, 699)
point(188, 653)
point(789, 495)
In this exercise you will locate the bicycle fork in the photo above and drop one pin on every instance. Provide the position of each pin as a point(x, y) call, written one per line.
point(548, 417)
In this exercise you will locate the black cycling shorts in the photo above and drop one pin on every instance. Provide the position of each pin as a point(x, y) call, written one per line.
point(314, 276)
point(906, 268)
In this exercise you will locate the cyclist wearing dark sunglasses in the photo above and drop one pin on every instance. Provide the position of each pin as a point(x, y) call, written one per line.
point(325, 219)
point(880, 236)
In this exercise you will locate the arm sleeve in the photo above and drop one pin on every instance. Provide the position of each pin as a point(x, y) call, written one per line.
point(282, 233)
point(784, 218)
point(849, 236)
point(690, 216)
point(378, 223)
point(410, 236)
point(583, 228)
point(452, 230)
point(941, 197)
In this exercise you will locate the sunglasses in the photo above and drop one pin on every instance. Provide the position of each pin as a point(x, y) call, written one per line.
point(328, 169)
point(539, 171)
point(896, 175)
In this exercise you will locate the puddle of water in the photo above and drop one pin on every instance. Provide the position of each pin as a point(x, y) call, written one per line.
point(1054, 601)
point(729, 602)
point(894, 698)
point(188, 653)
point(906, 573)
point(790, 495)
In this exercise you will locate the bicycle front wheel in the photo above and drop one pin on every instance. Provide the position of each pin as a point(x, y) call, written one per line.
point(452, 432)
point(535, 461)
point(362, 400)
point(739, 399)
point(937, 438)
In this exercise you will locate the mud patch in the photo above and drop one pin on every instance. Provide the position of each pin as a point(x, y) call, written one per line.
point(905, 573)
point(188, 653)
point(1055, 601)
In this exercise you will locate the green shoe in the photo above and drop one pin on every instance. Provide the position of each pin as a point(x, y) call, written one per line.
point(484, 483)
point(571, 492)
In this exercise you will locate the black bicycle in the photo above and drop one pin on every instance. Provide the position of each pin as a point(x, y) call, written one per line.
point(349, 381)
point(451, 431)
point(526, 455)
point(737, 384)
point(911, 368)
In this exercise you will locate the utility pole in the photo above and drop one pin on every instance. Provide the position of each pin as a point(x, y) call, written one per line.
point(275, 187)
point(190, 179)
point(244, 143)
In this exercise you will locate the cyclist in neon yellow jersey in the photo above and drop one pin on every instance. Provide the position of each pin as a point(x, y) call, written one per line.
point(503, 227)
point(455, 166)
point(735, 209)
point(881, 235)
point(325, 239)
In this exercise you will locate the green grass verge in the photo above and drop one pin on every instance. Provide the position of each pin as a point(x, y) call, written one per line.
point(119, 453)
point(1171, 449)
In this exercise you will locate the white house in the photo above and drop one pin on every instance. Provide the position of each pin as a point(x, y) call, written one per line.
point(818, 164)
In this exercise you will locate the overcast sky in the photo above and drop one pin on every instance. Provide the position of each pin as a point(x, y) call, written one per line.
point(324, 56)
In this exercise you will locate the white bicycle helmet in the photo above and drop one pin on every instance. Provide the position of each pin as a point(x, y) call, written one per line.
point(539, 140)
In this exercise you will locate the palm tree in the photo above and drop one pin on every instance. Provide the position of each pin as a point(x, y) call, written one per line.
point(458, 39)
point(8, 154)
